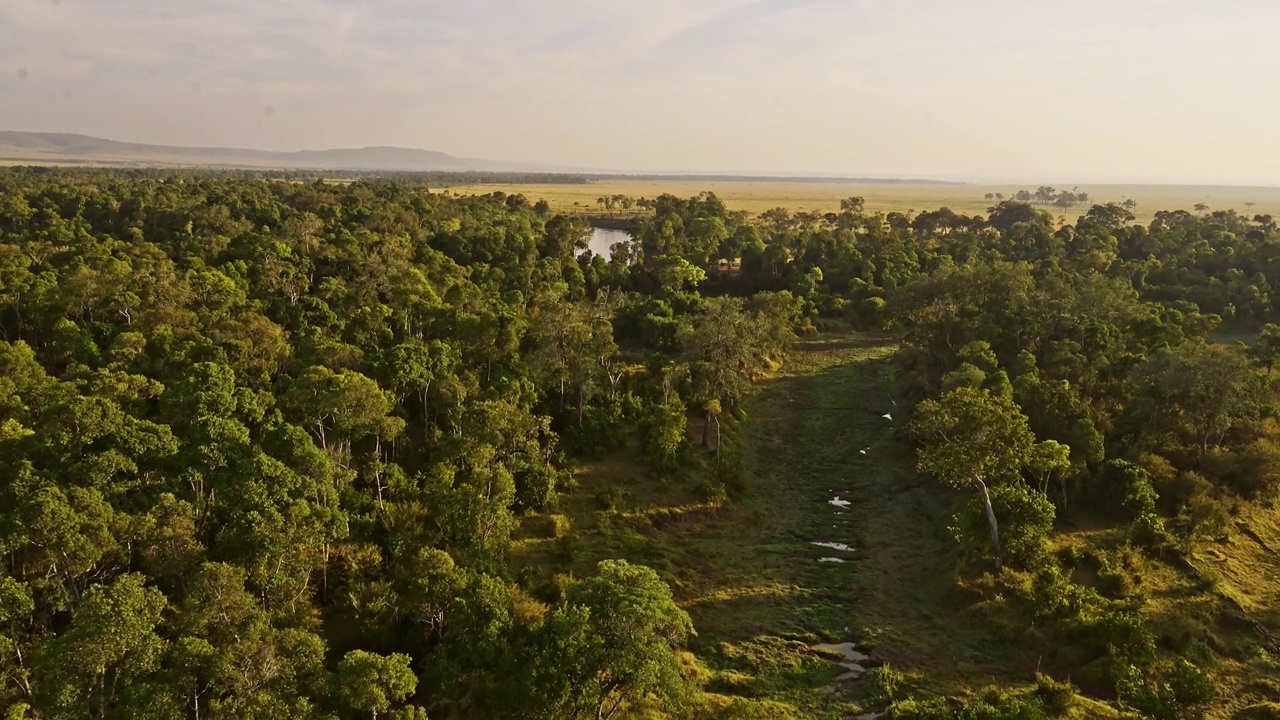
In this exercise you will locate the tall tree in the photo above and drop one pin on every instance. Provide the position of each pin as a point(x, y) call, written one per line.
point(971, 439)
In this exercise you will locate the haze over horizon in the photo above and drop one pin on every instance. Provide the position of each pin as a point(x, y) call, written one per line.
point(1172, 91)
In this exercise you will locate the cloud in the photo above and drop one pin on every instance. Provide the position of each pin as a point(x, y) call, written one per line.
point(822, 85)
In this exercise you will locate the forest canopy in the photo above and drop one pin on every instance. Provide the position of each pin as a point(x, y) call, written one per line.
point(266, 443)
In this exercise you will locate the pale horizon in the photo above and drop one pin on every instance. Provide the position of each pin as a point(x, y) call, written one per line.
point(1128, 91)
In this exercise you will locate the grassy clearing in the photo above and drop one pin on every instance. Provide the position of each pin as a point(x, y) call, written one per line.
point(756, 197)
point(750, 578)
point(748, 573)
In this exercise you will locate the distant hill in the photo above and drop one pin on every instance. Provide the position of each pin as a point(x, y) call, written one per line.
point(32, 148)
point(69, 149)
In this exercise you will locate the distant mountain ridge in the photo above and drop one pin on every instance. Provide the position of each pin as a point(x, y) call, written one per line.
point(66, 148)
point(52, 149)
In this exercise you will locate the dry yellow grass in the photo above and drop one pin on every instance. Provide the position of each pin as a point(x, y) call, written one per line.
point(756, 197)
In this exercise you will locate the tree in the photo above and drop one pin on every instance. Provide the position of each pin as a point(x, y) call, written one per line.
point(971, 438)
point(374, 683)
point(1201, 208)
point(1205, 388)
point(1047, 460)
point(614, 642)
point(1266, 348)
point(111, 642)
point(726, 347)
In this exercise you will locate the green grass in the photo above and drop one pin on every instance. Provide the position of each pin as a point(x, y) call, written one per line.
point(747, 572)
point(750, 579)
point(756, 197)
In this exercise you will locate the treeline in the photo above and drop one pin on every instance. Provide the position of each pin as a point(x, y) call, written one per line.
point(266, 443)
point(1065, 377)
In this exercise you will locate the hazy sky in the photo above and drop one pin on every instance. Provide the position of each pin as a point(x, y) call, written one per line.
point(1085, 90)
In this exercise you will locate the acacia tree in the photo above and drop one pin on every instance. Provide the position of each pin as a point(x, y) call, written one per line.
point(971, 438)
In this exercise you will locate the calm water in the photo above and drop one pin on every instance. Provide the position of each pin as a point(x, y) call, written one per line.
point(602, 240)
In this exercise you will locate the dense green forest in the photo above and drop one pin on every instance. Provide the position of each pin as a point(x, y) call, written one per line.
point(267, 445)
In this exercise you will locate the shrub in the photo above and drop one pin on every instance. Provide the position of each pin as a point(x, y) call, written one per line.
point(885, 684)
point(611, 499)
point(1148, 531)
point(1187, 485)
point(1057, 697)
point(1026, 519)
point(1175, 691)
point(536, 488)
point(729, 471)
point(993, 705)
point(1120, 573)
point(1138, 493)
point(1204, 518)
point(711, 490)
point(1257, 474)
point(603, 430)
point(665, 433)
point(559, 525)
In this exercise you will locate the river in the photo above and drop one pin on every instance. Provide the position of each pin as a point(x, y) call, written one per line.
point(602, 240)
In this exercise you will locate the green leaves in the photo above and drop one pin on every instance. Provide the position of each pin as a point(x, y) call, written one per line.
point(111, 640)
point(1198, 388)
point(969, 435)
point(613, 643)
point(373, 683)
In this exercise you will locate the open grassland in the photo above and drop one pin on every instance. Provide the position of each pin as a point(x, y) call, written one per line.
point(757, 197)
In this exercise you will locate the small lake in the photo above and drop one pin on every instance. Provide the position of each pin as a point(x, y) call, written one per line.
point(602, 240)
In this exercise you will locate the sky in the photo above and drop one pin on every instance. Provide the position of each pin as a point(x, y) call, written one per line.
point(1180, 91)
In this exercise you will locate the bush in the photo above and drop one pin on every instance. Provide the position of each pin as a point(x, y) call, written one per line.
point(536, 488)
point(1257, 475)
point(611, 499)
point(885, 684)
point(665, 435)
point(711, 490)
point(1148, 531)
point(993, 705)
point(1057, 697)
point(1026, 519)
point(730, 473)
point(604, 430)
point(1175, 691)
point(1138, 493)
point(1204, 518)
point(559, 525)
point(1120, 573)
point(1187, 485)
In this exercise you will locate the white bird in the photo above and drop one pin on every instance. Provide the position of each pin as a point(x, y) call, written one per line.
point(864, 452)
point(887, 416)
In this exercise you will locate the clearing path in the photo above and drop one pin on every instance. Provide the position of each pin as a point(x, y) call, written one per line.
point(827, 473)
point(836, 541)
